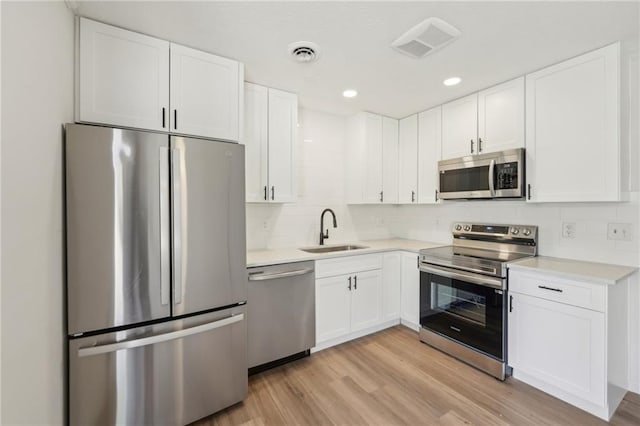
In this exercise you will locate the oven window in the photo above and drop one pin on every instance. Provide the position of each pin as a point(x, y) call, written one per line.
point(469, 313)
point(463, 304)
point(468, 179)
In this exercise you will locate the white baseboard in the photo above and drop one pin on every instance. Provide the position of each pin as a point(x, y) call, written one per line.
point(338, 340)
point(410, 324)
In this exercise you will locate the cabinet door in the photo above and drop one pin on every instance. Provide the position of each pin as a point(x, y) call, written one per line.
point(391, 277)
point(460, 127)
point(501, 117)
point(389, 160)
point(429, 143)
point(558, 345)
point(333, 307)
point(123, 78)
point(283, 132)
point(408, 185)
point(572, 116)
point(373, 158)
point(205, 92)
point(255, 141)
point(410, 288)
point(366, 300)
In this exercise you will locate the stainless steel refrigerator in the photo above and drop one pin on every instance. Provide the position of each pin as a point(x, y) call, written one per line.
point(156, 284)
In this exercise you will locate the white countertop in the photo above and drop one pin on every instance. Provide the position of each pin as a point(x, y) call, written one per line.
point(603, 273)
point(287, 255)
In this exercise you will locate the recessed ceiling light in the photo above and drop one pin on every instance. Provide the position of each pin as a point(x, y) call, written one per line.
point(350, 93)
point(452, 81)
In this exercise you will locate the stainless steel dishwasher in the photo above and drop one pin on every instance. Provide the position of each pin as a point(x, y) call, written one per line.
point(281, 314)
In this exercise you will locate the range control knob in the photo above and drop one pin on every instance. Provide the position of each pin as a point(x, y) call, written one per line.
point(458, 227)
point(515, 231)
point(467, 228)
point(526, 232)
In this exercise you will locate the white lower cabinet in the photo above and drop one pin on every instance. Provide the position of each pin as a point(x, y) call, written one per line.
point(568, 338)
point(391, 285)
point(410, 284)
point(348, 297)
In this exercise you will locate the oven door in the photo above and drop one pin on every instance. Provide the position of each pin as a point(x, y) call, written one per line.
point(465, 307)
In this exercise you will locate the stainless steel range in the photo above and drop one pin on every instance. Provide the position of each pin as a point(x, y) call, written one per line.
point(463, 292)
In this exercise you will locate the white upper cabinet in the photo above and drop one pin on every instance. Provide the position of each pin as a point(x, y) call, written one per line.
point(501, 117)
point(488, 121)
point(364, 163)
point(572, 129)
point(408, 164)
point(283, 130)
point(389, 160)
point(256, 119)
point(132, 80)
point(123, 77)
point(460, 127)
point(429, 144)
point(270, 134)
point(205, 93)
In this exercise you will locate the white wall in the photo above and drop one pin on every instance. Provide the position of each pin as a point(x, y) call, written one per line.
point(37, 98)
point(320, 179)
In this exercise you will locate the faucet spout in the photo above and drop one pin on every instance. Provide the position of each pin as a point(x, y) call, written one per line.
point(325, 234)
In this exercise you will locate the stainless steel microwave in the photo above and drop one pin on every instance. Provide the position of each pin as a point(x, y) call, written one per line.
point(492, 175)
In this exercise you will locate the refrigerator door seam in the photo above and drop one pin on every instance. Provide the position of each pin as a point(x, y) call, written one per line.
point(145, 341)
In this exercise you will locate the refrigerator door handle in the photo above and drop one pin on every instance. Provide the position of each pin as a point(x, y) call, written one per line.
point(177, 173)
point(151, 340)
point(165, 279)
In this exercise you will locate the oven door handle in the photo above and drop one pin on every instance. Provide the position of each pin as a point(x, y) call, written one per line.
point(463, 276)
point(492, 166)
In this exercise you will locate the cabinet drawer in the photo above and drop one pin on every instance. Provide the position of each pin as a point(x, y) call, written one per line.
point(570, 292)
point(348, 265)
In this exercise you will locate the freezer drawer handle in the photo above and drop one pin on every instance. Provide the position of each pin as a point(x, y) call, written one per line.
point(263, 277)
point(151, 340)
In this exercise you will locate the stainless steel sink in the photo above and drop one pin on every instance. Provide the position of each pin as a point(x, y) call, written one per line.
point(331, 249)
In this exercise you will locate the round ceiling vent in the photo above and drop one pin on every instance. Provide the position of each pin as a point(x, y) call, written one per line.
point(304, 51)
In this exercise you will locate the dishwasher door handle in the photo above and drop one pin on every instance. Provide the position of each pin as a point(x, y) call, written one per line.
point(259, 276)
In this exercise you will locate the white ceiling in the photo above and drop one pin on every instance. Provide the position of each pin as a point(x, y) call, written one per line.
point(499, 41)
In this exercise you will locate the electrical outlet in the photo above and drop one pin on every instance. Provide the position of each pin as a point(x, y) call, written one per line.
point(619, 231)
point(265, 225)
point(568, 230)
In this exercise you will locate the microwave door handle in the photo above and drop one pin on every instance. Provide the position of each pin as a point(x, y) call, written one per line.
point(492, 166)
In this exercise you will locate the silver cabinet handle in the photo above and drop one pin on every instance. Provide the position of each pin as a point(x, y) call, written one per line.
point(165, 255)
point(479, 145)
point(176, 163)
point(349, 283)
point(259, 276)
point(413, 196)
point(381, 196)
point(146, 341)
point(355, 282)
point(472, 146)
point(273, 193)
point(492, 166)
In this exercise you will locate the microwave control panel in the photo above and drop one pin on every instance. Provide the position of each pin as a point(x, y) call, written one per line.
point(507, 175)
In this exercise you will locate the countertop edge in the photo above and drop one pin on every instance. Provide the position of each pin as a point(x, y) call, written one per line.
point(622, 273)
point(294, 254)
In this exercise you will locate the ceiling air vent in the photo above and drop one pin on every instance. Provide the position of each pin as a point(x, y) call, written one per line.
point(304, 51)
point(426, 37)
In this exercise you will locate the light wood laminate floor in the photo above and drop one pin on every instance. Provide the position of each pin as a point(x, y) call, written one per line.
point(390, 378)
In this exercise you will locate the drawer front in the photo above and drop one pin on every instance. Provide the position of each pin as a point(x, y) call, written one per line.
point(348, 265)
point(570, 292)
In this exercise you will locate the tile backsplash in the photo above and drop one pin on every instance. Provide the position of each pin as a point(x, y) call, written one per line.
point(320, 174)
